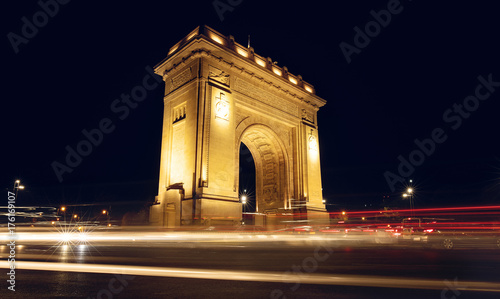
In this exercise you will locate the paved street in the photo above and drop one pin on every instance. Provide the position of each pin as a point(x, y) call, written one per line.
point(262, 269)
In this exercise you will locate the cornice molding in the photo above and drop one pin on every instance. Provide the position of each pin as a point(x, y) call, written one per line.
point(204, 53)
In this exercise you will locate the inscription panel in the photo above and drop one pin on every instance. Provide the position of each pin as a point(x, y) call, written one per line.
point(181, 79)
point(265, 97)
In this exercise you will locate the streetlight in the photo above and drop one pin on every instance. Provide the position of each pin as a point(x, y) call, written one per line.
point(244, 201)
point(105, 212)
point(17, 186)
point(409, 193)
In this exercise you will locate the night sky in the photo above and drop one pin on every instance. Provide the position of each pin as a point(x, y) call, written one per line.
point(398, 86)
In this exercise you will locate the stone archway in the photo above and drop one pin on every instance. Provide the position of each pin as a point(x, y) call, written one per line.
point(271, 164)
point(218, 95)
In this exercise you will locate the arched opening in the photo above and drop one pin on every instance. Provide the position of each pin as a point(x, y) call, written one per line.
point(261, 148)
point(247, 178)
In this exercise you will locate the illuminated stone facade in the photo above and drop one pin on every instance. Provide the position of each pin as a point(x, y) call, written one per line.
point(219, 94)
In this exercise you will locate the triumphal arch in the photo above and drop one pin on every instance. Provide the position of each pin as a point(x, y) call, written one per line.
point(219, 94)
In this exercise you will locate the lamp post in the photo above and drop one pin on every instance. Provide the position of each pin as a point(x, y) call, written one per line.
point(409, 193)
point(106, 212)
point(17, 186)
point(63, 209)
point(244, 202)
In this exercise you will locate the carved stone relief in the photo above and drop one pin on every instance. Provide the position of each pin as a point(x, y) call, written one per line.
point(218, 75)
point(307, 115)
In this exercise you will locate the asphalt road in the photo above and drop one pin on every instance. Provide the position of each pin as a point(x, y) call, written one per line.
point(253, 270)
point(47, 284)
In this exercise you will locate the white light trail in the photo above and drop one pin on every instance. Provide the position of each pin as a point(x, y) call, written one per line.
point(278, 277)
